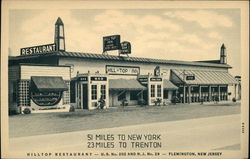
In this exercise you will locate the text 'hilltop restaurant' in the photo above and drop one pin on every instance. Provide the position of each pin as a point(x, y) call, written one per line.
point(49, 78)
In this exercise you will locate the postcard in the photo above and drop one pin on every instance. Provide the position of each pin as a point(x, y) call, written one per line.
point(125, 79)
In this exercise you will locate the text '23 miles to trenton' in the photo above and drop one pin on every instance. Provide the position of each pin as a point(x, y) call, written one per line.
point(124, 141)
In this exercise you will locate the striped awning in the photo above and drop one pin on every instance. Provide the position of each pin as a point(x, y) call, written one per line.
point(202, 77)
point(169, 85)
point(48, 84)
point(125, 84)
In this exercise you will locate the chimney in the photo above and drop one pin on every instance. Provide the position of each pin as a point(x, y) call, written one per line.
point(59, 35)
point(223, 55)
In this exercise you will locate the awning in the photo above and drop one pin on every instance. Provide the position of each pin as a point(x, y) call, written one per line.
point(169, 85)
point(125, 84)
point(48, 83)
point(202, 77)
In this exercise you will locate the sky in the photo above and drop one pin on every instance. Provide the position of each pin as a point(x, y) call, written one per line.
point(171, 33)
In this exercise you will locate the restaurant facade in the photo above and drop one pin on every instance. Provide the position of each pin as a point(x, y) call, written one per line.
point(49, 78)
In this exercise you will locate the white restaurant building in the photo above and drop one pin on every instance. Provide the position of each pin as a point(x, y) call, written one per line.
point(53, 79)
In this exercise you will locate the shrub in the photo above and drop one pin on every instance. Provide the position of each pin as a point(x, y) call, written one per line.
point(234, 99)
point(72, 108)
point(26, 111)
point(157, 101)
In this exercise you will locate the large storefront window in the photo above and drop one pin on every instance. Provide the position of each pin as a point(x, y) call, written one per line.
point(48, 91)
point(122, 96)
point(94, 92)
point(158, 90)
point(134, 95)
point(152, 90)
point(46, 98)
point(103, 91)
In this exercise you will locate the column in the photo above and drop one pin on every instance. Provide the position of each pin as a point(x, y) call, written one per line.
point(199, 93)
point(209, 93)
point(235, 90)
point(189, 94)
point(184, 94)
point(227, 92)
point(219, 92)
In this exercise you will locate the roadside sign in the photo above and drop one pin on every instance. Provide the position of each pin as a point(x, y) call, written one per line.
point(125, 47)
point(111, 43)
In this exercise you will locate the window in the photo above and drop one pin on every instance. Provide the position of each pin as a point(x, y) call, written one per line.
point(103, 91)
point(158, 90)
point(165, 94)
point(93, 92)
point(122, 95)
point(23, 93)
point(152, 90)
point(61, 44)
point(134, 95)
point(61, 31)
point(66, 94)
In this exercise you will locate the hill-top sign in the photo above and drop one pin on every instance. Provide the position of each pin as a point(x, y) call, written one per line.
point(111, 43)
point(125, 47)
point(38, 49)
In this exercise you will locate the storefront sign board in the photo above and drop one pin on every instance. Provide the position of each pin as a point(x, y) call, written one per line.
point(38, 49)
point(122, 70)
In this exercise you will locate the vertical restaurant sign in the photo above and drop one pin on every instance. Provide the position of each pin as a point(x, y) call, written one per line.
point(111, 42)
point(125, 47)
point(38, 49)
point(122, 70)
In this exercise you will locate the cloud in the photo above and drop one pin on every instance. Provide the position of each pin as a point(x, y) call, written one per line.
point(206, 19)
point(154, 36)
point(214, 35)
point(113, 19)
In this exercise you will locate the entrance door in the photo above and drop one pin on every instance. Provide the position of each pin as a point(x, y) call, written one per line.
point(145, 96)
point(84, 96)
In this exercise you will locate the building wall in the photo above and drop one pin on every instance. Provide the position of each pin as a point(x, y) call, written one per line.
point(85, 65)
point(19, 80)
point(28, 71)
point(14, 75)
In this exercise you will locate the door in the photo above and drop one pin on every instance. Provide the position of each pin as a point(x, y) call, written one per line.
point(145, 96)
point(84, 96)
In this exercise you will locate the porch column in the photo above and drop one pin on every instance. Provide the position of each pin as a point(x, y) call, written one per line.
point(209, 93)
point(189, 94)
point(184, 94)
point(227, 92)
point(199, 93)
point(219, 92)
point(235, 86)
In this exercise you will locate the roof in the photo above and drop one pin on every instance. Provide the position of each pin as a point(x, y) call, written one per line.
point(48, 83)
point(203, 77)
point(59, 21)
point(169, 85)
point(125, 84)
point(119, 58)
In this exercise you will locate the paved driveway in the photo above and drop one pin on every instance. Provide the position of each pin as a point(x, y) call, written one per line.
point(49, 123)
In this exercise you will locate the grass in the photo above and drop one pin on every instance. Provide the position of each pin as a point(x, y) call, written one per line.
point(48, 123)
